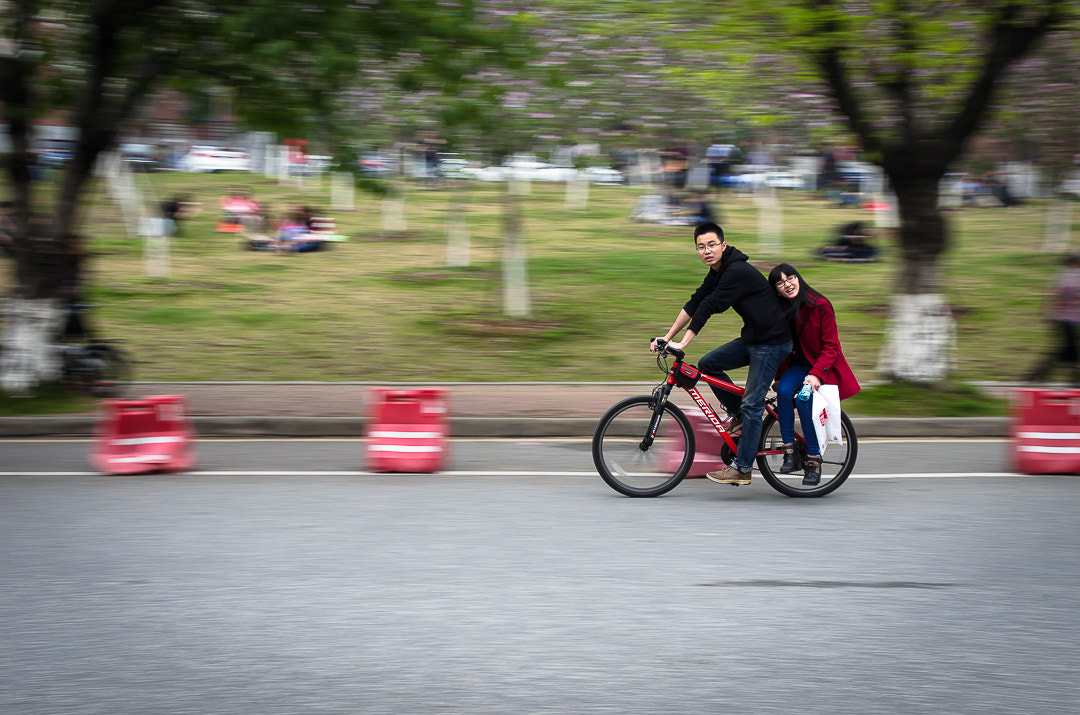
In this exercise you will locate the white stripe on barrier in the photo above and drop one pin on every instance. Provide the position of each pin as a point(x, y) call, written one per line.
point(1048, 435)
point(380, 434)
point(141, 458)
point(403, 448)
point(146, 440)
point(1039, 449)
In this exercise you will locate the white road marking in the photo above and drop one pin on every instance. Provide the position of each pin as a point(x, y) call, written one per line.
point(503, 440)
point(501, 473)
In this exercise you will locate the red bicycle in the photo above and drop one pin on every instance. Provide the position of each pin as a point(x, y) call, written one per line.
point(644, 446)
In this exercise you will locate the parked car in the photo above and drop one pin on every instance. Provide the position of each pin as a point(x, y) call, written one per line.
point(858, 173)
point(451, 166)
point(141, 157)
point(604, 175)
point(312, 165)
point(214, 158)
point(1071, 185)
point(778, 179)
point(532, 170)
point(377, 165)
point(54, 153)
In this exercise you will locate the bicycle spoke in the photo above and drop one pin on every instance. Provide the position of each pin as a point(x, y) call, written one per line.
point(834, 469)
point(624, 465)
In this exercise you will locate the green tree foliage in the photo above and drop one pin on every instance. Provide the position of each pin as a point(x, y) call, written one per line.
point(291, 67)
point(913, 79)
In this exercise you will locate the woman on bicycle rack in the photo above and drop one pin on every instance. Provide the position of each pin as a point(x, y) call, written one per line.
point(816, 360)
point(764, 342)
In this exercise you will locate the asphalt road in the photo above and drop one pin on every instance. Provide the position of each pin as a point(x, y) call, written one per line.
point(278, 579)
point(877, 456)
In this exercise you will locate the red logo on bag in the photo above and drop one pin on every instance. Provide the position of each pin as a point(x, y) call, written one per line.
point(824, 417)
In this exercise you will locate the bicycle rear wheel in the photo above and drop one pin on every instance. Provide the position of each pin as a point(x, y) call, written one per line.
point(104, 371)
point(836, 464)
point(629, 462)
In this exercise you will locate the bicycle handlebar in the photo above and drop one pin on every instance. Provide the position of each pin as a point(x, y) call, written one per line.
point(663, 348)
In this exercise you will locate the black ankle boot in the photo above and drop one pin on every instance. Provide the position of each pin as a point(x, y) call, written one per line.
point(811, 471)
point(791, 459)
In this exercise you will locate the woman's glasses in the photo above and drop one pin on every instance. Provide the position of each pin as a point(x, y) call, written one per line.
point(790, 280)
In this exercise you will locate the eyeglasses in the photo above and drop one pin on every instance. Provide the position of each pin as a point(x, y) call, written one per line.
point(711, 246)
point(790, 280)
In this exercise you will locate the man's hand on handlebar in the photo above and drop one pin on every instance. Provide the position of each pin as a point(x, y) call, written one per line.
point(659, 344)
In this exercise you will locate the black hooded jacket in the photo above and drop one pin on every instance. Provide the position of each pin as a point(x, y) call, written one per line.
point(737, 284)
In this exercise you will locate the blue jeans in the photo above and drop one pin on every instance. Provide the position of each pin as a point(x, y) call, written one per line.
point(763, 361)
point(786, 404)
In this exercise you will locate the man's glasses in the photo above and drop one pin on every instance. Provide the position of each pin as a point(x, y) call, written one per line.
point(790, 280)
point(709, 246)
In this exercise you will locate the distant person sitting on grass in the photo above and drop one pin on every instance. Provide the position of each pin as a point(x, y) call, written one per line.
point(295, 235)
point(852, 245)
point(701, 210)
point(260, 235)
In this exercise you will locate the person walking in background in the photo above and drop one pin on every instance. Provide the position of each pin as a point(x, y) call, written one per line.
point(1064, 316)
point(7, 230)
point(718, 156)
point(816, 360)
point(764, 342)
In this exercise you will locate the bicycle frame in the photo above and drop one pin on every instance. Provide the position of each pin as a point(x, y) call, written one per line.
point(707, 409)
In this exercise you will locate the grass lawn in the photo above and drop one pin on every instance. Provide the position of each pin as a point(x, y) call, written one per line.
point(385, 306)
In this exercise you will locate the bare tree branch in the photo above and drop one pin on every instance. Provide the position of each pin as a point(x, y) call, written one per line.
point(1010, 40)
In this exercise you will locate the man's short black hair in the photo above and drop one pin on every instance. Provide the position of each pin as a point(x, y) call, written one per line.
point(709, 227)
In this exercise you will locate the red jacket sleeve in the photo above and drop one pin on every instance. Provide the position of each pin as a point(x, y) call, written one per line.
point(820, 339)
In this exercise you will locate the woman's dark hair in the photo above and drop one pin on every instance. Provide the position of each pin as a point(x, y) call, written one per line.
point(806, 293)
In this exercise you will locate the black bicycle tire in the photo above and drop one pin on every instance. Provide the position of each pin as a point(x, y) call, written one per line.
point(612, 480)
point(851, 440)
point(118, 368)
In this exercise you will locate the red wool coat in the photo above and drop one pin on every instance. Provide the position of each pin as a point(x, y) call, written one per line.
point(819, 341)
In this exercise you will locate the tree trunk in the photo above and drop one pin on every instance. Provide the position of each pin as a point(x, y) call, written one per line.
point(922, 236)
point(920, 341)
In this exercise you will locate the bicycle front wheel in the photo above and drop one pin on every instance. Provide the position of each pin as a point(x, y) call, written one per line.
point(836, 463)
point(629, 461)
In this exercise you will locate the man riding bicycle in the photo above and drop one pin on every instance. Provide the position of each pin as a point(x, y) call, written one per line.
point(763, 344)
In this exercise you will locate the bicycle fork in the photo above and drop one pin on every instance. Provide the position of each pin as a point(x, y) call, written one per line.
point(659, 401)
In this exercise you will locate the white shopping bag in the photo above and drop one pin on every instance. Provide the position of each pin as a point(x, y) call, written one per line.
point(826, 411)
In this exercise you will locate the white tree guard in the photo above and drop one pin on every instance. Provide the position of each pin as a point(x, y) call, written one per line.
point(520, 186)
point(342, 192)
point(516, 301)
point(920, 339)
point(457, 239)
point(29, 357)
point(770, 220)
point(890, 217)
point(140, 208)
point(393, 214)
point(122, 188)
point(1058, 233)
point(577, 192)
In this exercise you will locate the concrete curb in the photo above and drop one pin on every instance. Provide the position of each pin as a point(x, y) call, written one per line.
point(491, 427)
